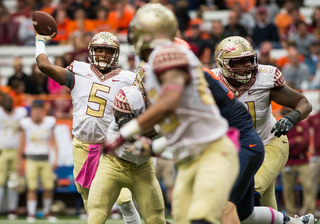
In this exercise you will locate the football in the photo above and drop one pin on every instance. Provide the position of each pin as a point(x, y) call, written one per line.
point(44, 23)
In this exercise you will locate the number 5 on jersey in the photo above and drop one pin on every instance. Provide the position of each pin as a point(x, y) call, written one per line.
point(96, 99)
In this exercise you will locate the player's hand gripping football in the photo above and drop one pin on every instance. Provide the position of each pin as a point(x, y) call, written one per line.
point(286, 123)
point(127, 132)
point(44, 26)
point(141, 147)
point(43, 37)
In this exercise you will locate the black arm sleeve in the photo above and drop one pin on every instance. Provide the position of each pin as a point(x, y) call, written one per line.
point(70, 79)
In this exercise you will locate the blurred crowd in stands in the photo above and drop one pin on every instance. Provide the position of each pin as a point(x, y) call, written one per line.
point(267, 24)
point(25, 88)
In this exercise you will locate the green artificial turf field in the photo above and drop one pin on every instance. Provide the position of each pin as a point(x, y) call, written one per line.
point(62, 220)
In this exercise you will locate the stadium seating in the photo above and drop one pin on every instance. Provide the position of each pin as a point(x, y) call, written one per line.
point(311, 3)
point(7, 53)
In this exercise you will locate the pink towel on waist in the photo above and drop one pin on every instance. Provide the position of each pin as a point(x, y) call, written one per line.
point(90, 166)
point(234, 135)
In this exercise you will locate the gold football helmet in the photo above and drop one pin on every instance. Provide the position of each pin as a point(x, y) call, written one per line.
point(232, 49)
point(151, 25)
point(103, 41)
point(16, 182)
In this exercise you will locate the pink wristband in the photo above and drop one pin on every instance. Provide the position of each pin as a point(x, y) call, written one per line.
point(171, 87)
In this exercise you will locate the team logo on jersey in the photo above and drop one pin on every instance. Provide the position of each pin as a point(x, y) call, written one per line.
point(251, 92)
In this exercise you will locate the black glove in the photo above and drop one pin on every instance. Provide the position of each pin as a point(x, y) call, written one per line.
point(286, 123)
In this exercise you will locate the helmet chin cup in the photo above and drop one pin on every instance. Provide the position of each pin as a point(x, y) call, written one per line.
point(242, 75)
point(103, 65)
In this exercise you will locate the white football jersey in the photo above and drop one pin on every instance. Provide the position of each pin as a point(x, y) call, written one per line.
point(255, 95)
point(38, 136)
point(92, 98)
point(9, 127)
point(197, 121)
point(122, 151)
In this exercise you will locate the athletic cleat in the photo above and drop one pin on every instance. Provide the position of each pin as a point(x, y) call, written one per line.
point(305, 219)
point(12, 216)
point(31, 219)
point(52, 219)
point(115, 215)
point(83, 216)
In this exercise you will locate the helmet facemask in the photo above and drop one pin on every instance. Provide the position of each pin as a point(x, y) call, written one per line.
point(242, 74)
point(236, 59)
point(102, 60)
point(104, 50)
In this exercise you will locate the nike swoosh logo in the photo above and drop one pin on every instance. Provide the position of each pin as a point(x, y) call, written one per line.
point(252, 145)
point(95, 148)
point(115, 80)
point(251, 92)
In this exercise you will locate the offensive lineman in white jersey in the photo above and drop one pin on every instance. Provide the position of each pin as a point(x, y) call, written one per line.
point(256, 86)
point(37, 135)
point(93, 88)
point(184, 108)
point(10, 134)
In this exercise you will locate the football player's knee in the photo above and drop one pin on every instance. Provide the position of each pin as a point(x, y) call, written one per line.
point(32, 184)
point(92, 205)
point(32, 187)
point(125, 196)
point(260, 183)
point(48, 185)
point(157, 217)
point(97, 216)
